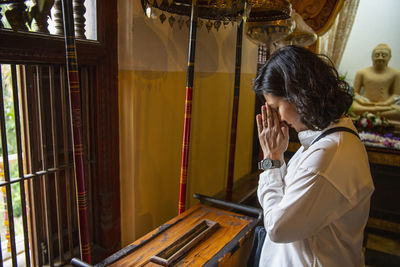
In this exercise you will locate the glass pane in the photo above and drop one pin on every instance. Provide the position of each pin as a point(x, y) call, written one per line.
point(91, 19)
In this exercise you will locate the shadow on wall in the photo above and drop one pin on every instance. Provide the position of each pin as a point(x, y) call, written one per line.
point(148, 49)
point(207, 49)
point(229, 60)
point(178, 43)
point(150, 52)
point(158, 47)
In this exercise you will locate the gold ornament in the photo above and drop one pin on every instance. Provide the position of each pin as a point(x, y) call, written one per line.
point(269, 31)
point(171, 21)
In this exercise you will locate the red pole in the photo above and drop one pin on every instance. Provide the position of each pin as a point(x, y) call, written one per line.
point(188, 110)
point(75, 109)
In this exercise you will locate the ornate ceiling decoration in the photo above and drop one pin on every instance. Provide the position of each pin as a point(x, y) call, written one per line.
point(220, 12)
point(318, 14)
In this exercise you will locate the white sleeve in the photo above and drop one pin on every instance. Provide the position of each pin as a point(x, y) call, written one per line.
point(309, 204)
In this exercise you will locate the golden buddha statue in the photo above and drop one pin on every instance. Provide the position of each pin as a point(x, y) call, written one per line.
point(377, 88)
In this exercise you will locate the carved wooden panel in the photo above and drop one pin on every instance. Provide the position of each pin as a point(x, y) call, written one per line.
point(17, 17)
point(40, 12)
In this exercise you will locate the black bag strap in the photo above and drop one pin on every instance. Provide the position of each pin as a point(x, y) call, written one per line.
point(335, 129)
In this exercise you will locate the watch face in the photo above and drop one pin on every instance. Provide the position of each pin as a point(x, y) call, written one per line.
point(266, 164)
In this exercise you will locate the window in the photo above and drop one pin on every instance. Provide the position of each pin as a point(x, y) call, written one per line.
point(45, 17)
point(37, 166)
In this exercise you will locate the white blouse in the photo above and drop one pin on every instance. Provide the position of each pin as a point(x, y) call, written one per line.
point(316, 207)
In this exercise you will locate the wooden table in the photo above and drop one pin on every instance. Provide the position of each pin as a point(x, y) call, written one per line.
point(228, 245)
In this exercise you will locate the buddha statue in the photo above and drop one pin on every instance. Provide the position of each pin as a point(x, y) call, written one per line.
point(377, 88)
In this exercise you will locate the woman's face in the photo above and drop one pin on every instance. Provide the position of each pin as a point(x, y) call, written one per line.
point(287, 111)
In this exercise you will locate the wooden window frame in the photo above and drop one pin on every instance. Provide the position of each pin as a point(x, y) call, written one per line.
point(18, 47)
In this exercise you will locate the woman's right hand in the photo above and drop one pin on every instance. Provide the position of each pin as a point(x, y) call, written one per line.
point(272, 133)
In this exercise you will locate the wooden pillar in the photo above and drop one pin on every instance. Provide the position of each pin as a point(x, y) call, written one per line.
point(79, 18)
point(58, 17)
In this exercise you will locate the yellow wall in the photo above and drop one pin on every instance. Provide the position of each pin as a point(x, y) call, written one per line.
point(152, 79)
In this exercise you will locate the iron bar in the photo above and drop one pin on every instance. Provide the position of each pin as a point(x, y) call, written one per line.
point(68, 191)
point(6, 169)
point(31, 112)
point(37, 174)
point(235, 111)
point(188, 109)
point(20, 163)
point(43, 152)
point(75, 110)
point(26, 155)
point(56, 163)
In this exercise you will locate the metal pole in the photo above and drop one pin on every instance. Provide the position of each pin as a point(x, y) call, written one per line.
point(235, 110)
point(6, 173)
point(75, 109)
point(188, 109)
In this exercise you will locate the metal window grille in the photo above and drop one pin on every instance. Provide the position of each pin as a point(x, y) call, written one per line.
point(38, 176)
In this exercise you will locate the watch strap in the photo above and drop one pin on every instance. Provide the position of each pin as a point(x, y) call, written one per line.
point(276, 164)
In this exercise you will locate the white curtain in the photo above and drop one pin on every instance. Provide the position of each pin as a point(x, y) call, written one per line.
point(333, 42)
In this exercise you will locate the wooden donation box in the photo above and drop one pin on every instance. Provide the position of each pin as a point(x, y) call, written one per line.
point(201, 236)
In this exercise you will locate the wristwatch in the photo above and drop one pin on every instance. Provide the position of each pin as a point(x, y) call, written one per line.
point(267, 164)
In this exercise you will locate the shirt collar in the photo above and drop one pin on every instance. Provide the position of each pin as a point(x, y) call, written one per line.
point(306, 137)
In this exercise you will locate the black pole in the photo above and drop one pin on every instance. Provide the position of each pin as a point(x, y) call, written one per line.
point(235, 111)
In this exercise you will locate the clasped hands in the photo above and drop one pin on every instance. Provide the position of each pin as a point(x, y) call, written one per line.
point(272, 133)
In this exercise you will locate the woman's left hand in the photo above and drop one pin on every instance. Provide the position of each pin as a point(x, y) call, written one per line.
point(272, 133)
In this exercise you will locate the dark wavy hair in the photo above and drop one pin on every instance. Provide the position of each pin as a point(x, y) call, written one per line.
point(307, 80)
